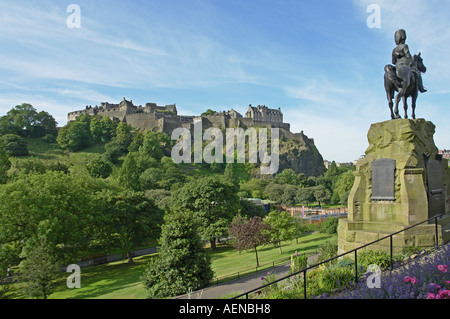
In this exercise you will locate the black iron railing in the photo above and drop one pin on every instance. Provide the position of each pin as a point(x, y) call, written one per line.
point(304, 270)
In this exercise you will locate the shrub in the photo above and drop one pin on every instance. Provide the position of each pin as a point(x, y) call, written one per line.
point(328, 250)
point(99, 169)
point(329, 226)
point(378, 257)
point(336, 278)
point(15, 145)
point(49, 138)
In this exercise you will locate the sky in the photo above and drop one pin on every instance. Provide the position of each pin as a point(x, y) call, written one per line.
point(321, 62)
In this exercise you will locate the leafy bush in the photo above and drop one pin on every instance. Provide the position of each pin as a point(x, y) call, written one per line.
point(15, 145)
point(49, 138)
point(378, 257)
point(329, 226)
point(336, 278)
point(99, 169)
point(328, 250)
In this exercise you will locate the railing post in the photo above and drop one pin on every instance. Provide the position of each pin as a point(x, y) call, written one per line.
point(436, 227)
point(356, 266)
point(304, 283)
point(390, 238)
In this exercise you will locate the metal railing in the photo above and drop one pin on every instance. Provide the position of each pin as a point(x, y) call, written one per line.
point(249, 271)
point(304, 270)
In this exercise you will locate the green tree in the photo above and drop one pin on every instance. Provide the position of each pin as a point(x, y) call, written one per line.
point(182, 265)
point(38, 269)
point(321, 194)
point(282, 227)
point(342, 187)
point(54, 205)
point(128, 218)
point(230, 174)
point(254, 184)
point(161, 197)
point(151, 178)
point(289, 196)
point(305, 195)
point(173, 176)
point(156, 144)
point(274, 191)
point(129, 173)
point(287, 176)
point(76, 135)
point(98, 168)
point(15, 145)
point(248, 209)
point(44, 124)
point(214, 202)
point(5, 164)
point(7, 127)
point(27, 122)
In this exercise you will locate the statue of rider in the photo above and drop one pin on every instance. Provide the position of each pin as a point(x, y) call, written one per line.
point(401, 56)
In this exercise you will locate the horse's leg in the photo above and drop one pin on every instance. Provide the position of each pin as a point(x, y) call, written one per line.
point(399, 95)
point(405, 106)
point(390, 97)
point(391, 107)
point(413, 105)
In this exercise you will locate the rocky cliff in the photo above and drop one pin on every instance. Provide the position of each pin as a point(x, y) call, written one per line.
point(298, 152)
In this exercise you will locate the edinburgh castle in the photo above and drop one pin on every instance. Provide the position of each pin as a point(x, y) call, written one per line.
point(166, 119)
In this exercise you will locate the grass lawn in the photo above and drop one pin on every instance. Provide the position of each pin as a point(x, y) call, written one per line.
point(227, 261)
point(119, 280)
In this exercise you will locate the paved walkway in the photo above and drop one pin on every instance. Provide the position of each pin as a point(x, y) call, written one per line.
point(243, 284)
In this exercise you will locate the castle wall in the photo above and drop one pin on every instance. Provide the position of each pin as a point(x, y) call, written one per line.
point(165, 118)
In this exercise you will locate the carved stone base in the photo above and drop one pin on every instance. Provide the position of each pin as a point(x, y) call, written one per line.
point(401, 181)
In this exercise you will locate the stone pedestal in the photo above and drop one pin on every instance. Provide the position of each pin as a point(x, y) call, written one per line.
point(401, 181)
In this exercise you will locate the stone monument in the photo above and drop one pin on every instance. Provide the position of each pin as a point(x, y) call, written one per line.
point(402, 181)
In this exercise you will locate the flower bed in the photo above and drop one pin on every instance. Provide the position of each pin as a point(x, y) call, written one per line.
point(426, 277)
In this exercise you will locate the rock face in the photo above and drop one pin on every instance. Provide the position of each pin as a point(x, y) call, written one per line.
point(401, 181)
point(298, 152)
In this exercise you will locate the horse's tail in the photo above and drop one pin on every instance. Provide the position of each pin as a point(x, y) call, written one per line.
point(392, 76)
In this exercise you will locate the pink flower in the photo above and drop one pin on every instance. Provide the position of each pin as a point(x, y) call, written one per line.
point(443, 268)
point(443, 294)
point(412, 280)
point(431, 296)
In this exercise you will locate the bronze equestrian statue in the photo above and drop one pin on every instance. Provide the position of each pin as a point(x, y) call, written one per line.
point(404, 76)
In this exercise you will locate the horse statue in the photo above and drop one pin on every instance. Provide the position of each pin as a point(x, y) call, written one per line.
point(404, 80)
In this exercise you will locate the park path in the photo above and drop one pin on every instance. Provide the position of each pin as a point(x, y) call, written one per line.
point(243, 284)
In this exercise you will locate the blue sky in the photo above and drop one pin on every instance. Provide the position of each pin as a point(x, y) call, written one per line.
point(317, 60)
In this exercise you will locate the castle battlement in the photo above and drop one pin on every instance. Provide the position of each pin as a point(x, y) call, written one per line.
point(166, 118)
